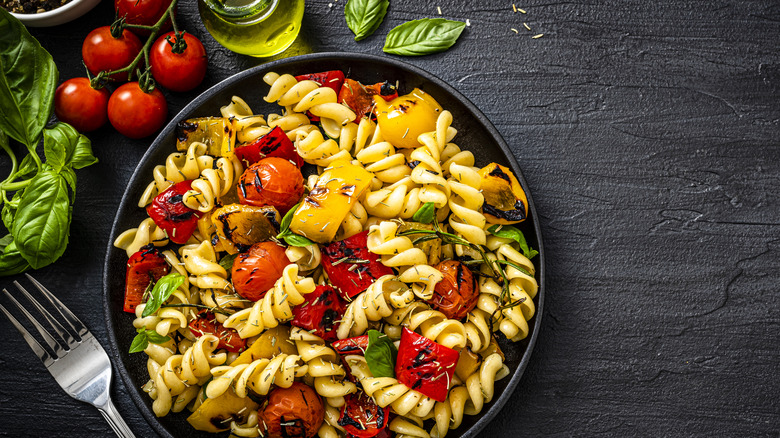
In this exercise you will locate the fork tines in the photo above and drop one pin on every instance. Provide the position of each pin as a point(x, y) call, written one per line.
point(72, 337)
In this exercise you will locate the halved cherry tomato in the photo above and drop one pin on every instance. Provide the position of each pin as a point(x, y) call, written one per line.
point(360, 98)
point(178, 71)
point(331, 79)
point(206, 323)
point(273, 144)
point(143, 12)
point(255, 271)
point(361, 417)
point(84, 107)
point(271, 181)
point(136, 113)
point(320, 312)
point(424, 365)
point(102, 52)
point(294, 412)
point(457, 294)
point(350, 266)
point(168, 211)
point(144, 267)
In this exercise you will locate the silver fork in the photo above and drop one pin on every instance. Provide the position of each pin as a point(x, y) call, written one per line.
point(76, 360)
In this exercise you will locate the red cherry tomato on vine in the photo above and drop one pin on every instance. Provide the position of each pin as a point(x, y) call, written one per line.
point(144, 12)
point(102, 52)
point(178, 71)
point(255, 271)
point(271, 181)
point(135, 113)
point(84, 107)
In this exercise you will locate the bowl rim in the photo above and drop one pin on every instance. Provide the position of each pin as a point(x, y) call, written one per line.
point(499, 402)
point(35, 17)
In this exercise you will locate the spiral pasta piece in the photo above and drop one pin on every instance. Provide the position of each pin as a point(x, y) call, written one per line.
point(388, 391)
point(383, 160)
point(134, 239)
point(178, 167)
point(400, 199)
point(315, 149)
point(428, 171)
point(275, 306)
point(259, 376)
point(423, 279)
point(213, 184)
point(432, 324)
point(373, 304)
point(200, 260)
point(465, 204)
point(396, 251)
point(324, 364)
point(307, 258)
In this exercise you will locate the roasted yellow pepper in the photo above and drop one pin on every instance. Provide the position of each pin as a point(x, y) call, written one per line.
point(505, 200)
point(323, 210)
point(217, 133)
point(213, 414)
point(404, 118)
point(240, 226)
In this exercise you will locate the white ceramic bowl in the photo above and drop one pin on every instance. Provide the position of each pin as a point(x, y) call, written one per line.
point(70, 11)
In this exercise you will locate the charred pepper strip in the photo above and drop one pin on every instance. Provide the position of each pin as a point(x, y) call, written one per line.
point(168, 211)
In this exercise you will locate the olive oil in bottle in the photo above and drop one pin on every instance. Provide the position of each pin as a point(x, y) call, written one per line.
point(253, 27)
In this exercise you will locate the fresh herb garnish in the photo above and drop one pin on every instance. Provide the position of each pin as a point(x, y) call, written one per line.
point(510, 232)
point(227, 261)
point(162, 290)
point(380, 354)
point(288, 236)
point(364, 16)
point(423, 37)
point(425, 214)
point(144, 337)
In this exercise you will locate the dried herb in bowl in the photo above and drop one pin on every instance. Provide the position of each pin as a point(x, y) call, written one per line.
point(31, 6)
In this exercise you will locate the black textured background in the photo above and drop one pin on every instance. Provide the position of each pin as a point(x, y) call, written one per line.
point(648, 134)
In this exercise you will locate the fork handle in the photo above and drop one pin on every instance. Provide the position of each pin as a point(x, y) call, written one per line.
point(115, 420)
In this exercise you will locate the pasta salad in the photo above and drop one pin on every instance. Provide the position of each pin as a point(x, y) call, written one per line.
point(337, 269)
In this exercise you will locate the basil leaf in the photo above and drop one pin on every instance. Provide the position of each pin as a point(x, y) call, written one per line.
point(140, 342)
point(27, 168)
point(510, 232)
point(28, 78)
point(70, 177)
point(11, 261)
point(364, 16)
point(423, 37)
point(42, 221)
point(425, 214)
point(63, 146)
point(162, 290)
point(9, 210)
point(227, 261)
point(284, 226)
point(297, 240)
point(380, 354)
point(156, 338)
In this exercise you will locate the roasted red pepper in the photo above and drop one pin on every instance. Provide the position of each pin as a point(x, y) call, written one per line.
point(168, 211)
point(273, 144)
point(350, 266)
point(361, 417)
point(331, 79)
point(360, 98)
point(144, 267)
point(206, 323)
point(356, 345)
point(320, 312)
point(424, 365)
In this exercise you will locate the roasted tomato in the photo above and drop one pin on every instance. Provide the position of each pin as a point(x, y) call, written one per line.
point(206, 323)
point(350, 266)
point(360, 98)
point(273, 144)
point(255, 271)
point(320, 312)
point(271, 181)
point(361, 417)
point(424, 365)
point(456, 295)
point(168, 211)
point(145, 267)
point(404, 118)
point(294, 412)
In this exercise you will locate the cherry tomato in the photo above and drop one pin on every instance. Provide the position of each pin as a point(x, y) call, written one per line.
point(255, 271)
point(320, 312)
point(135, 113)
point(144, 12)
point(84, 107)
point(206, 324)
point(457, 294)
point(143, 268)
point(361, 417)
point(178, 71)
point(102, 52)
point(424, 365)
point(294, 412)
point(168, 212)
point(359, 97)
point(271, 181)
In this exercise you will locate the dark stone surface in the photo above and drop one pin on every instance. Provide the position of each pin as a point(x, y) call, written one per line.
point(648, 134)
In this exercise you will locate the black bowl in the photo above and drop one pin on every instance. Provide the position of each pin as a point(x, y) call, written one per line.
point(475, 133)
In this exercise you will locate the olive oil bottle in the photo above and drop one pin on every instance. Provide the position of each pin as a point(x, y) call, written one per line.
point(253, 27)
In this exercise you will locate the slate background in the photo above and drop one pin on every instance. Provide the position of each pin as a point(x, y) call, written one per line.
point(648, 134)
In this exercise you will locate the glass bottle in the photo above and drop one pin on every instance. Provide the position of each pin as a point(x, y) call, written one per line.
point(253, 27)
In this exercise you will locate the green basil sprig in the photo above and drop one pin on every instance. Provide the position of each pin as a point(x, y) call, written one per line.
point(510, 232)
point(364, 16)
point(162, 290)
point(423, 37)
point(39, 212)
point(227, 262)
point(425, 214)
point(288, 236)
point(380, 354)
point(144, 337)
